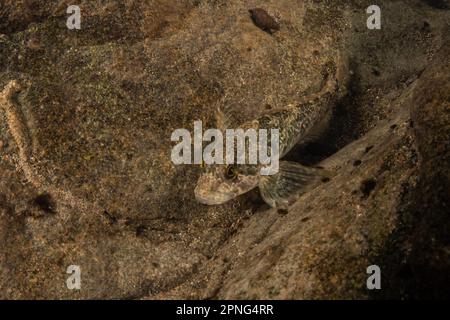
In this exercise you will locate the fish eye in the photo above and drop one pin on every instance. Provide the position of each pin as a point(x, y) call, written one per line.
point(231, 172)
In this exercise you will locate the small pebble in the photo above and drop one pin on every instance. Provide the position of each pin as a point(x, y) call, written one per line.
point(263, 20)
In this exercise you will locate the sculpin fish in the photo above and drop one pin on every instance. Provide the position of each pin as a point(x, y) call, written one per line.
point(299, 123)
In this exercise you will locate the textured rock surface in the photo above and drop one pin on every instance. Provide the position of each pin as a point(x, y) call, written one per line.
point(88, 180)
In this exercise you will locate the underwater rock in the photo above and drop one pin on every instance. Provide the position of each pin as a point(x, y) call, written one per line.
point(96, 109)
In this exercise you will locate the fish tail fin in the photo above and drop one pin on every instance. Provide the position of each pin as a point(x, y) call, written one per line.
point(291, 181)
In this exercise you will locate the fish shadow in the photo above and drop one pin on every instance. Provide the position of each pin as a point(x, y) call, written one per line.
point(343, 127)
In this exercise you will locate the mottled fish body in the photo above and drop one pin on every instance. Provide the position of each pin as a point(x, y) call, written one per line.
point(299, 123)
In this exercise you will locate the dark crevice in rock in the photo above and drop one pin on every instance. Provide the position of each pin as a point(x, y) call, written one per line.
point(438, 4)
point(367, 187)
point(45, 203)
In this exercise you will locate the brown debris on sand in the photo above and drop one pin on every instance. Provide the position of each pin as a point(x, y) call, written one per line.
point(264, 21)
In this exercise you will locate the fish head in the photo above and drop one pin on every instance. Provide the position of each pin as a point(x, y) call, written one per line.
point(221, 183)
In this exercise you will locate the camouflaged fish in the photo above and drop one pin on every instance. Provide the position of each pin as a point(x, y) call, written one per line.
point(298, 123)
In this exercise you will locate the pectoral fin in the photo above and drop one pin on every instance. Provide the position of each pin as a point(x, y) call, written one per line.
point(224, 118)
point(291, 181)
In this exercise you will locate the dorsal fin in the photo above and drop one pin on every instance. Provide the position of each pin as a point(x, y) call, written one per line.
point(225, 118)
point(222, 119)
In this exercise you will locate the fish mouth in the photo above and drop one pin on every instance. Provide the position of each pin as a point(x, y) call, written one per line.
point(211, 198)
